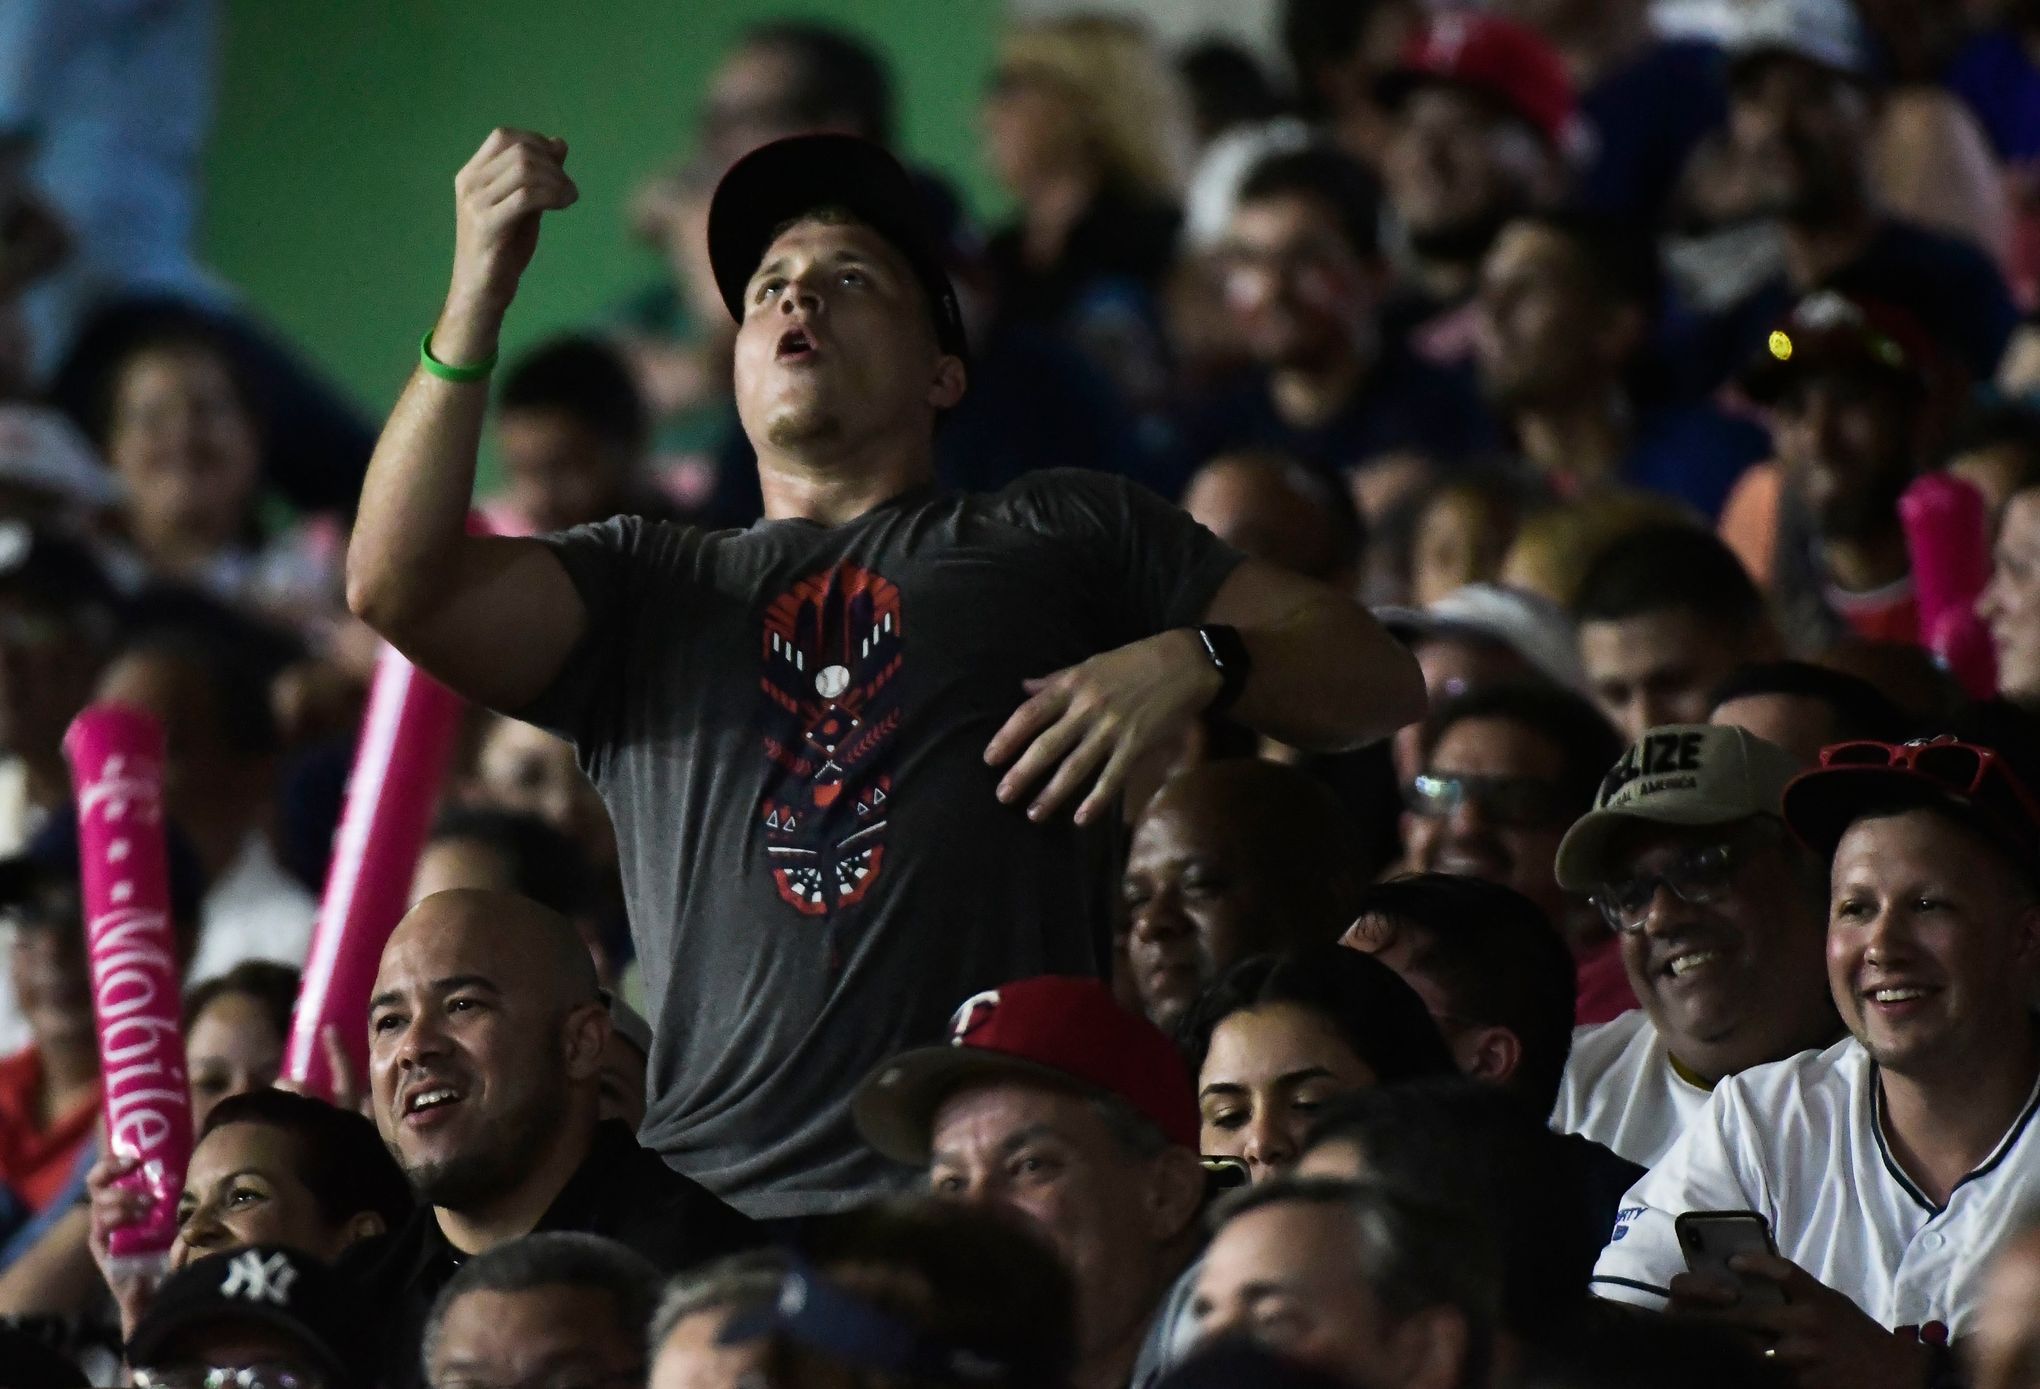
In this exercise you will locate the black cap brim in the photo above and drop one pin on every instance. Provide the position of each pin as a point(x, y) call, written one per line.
point(1820, 806)
point(158, 1336)
point(895, 1107)
point(777, 183)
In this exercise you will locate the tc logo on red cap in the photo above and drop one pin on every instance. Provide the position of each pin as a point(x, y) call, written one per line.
point(975, 1012)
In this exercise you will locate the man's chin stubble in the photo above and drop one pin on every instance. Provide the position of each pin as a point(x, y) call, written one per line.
point(796, 430)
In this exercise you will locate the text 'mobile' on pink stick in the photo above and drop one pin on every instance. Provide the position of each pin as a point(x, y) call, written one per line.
point(116, 757)
point(407, 738)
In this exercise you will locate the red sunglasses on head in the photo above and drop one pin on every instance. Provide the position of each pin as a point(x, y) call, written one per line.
point(1966, 769)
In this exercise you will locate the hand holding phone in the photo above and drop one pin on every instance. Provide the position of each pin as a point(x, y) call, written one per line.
point(1711, 1238)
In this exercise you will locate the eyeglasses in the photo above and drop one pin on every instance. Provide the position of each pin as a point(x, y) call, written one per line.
point(1521, 801)
point(1699, 878)
point(260, 1376)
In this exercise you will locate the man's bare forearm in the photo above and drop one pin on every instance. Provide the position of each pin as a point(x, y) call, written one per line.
point(1326, 676)
point(493, 618)
point(412, 524)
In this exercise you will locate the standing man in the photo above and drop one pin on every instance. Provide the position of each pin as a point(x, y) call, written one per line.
point(835, 745)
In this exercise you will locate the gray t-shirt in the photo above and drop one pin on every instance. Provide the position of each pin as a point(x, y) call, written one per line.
point(788, 724)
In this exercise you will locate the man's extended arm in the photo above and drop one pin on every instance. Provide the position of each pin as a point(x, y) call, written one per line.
point(494, 618)
point(1326, 677)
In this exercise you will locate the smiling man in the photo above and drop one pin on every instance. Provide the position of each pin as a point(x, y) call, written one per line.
point(1720, 915)
point(1891, 1166)
point(486, 1034)
point(839, 747)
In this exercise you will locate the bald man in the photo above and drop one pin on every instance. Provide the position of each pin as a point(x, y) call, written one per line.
point(486, 1036)
point(1231, 859)
point(1270, 507)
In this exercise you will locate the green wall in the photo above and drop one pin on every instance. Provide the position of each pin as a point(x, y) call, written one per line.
point(341, 123)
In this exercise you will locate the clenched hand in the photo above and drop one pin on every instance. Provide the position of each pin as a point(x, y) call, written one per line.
point(514, 179)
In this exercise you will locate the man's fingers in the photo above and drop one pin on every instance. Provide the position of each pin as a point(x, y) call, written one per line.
point(537, 197)
point(1077, 768)
point(1111, 781)
point(1035, 714)
point(504, 139)
point(1772, 1269)
point(1703, 1290)
point(1048, 750)
point(499, 185)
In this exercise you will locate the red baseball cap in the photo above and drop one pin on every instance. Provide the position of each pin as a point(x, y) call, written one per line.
point(1069, 1033)
point(1510, 62)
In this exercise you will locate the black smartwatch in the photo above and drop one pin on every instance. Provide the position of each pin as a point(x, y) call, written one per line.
point(1228, 652)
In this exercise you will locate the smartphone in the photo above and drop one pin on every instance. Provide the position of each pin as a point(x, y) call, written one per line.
point(1223, 1174)
point(1711, 1238)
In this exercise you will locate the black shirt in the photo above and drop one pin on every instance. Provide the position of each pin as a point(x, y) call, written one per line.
point(620, 1191)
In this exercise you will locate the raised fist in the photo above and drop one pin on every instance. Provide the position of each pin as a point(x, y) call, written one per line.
point(499, 195)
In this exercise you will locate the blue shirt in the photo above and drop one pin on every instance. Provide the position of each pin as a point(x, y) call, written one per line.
point(1646, 118)
point(1995, 74)
point(1694, 453)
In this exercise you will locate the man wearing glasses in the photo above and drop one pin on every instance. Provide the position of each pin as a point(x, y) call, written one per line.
point(1892, 1166)
point(1720, 915)
point(1505, 769)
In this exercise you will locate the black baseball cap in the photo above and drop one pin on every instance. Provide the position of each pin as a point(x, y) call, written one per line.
point(50, 571)
point(779, 182)
point(264, 1285)
point(50, 859)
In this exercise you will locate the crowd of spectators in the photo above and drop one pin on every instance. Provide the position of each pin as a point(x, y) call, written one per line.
point(1391, 740)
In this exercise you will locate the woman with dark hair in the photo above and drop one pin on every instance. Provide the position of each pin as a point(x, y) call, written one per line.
point(1279, 1036)
point(270, 1167)
point(235, 1027)
point(181, 427)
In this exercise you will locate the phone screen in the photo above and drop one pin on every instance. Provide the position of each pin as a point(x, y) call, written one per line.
point(1711, 1238)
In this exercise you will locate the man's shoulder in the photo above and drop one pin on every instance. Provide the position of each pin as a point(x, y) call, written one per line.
point(1601, 1046)
point(1057, 501)
point(1819, 1084)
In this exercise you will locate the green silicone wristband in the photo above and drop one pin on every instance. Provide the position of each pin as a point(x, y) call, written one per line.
point(445, 371)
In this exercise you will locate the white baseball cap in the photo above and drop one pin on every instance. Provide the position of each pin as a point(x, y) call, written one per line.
point(1529, 624)
point(1827, 32)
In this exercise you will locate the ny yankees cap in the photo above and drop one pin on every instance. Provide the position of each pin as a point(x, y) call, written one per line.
point(779, 182)
point(267, 1285)
point(50, 860)
point(1680, 774)
point(1065, 1032)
